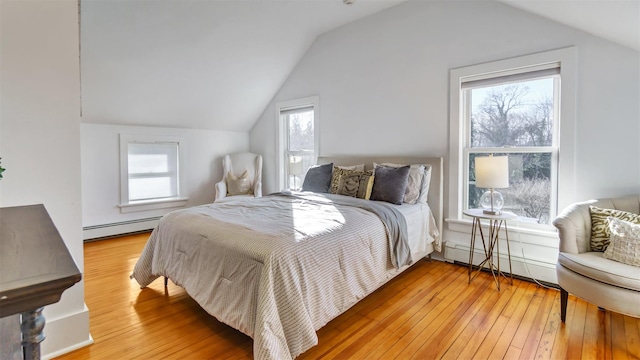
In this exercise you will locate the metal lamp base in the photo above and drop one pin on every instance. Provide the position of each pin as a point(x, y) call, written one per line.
point(491, 212)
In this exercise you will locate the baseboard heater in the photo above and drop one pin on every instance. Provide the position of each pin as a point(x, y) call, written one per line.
point(104, 231)
point(515, 276)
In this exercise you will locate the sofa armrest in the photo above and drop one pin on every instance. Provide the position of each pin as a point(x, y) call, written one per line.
point(574, 228)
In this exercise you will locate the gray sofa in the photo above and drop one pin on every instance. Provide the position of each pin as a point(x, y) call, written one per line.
point(587, 274)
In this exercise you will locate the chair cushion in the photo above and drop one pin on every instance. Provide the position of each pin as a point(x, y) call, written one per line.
point(594, 266)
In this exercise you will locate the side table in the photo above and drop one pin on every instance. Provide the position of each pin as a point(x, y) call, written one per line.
point(490, 243)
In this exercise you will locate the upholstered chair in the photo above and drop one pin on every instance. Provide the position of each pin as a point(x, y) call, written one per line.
point(242, 176)
point(588, 274)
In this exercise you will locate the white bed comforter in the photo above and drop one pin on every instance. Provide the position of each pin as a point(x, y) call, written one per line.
point(277, 268)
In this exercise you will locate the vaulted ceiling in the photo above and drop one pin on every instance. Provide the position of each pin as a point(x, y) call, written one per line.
point(197, 64)
point(216, 64)
point(614, 20)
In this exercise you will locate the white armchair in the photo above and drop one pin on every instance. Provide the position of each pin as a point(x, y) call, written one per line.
point(234, 167)
point(586, 273)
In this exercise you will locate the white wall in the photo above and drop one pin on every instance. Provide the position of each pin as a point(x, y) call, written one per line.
point(383, 87)
point(101, 167)
point(40, 138)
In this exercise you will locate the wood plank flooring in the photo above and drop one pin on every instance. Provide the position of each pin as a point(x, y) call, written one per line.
point(428, 312)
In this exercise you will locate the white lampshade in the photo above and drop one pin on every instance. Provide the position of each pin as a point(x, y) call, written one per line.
point(492, 172)
point(295, 165)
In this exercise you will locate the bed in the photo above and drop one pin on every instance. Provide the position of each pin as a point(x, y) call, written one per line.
point(280, 267)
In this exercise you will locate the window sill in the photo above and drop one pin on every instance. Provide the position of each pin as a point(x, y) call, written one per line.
point(540, 237)
point(153, 205)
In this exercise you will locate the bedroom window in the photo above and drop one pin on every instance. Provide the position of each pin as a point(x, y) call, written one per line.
point(513, 108)
point(151, 172)
point(298, 139)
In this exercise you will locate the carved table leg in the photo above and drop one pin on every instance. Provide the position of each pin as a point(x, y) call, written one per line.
point(32, 335)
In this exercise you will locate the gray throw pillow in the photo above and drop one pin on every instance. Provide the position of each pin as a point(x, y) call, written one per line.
point(390, 183)
point(318, 178)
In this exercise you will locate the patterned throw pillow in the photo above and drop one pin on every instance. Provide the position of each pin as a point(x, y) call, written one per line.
point(600, 225)
point(352, 183)
point(625, 242)
point(239, 185)
point(358, 167)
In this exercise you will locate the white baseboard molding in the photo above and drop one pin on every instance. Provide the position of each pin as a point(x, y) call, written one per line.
point(521, 266)
point(65, 334)
point(119, 228)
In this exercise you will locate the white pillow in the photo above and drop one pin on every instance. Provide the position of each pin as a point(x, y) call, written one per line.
point(624, 243)
point(359, 167)
point(426, 181)
point(414, 182)
point(238, 185)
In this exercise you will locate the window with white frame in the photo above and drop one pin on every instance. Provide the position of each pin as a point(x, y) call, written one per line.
point(518, 108)
point(298, 140)
point(152, 172)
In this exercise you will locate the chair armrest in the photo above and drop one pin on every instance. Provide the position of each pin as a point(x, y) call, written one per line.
point(574, 228)
point(221, 190)
point(257, 189)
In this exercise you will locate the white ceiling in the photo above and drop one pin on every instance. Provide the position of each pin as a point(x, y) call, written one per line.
point(614, 20)
point(216, 64)
point(212, 64)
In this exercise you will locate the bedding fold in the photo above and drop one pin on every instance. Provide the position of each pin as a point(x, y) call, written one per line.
point(393, 220)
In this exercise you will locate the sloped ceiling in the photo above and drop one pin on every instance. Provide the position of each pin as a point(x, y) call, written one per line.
point(197, 64)
point(216, 64)
point(615, 20)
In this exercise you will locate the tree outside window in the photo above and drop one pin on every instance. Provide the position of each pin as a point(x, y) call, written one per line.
point(516, 119)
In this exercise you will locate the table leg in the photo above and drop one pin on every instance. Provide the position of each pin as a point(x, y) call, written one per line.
point(486, 247)
point(473, 245)
point(32, 335)
point(506, 233)
point(492, 247)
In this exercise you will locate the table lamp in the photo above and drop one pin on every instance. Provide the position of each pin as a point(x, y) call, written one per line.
point(492, 172)
point(295, 169)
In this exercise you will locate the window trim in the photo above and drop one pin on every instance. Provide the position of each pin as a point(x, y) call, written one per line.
point(310, 101)
point(127, 206)
point(566, 58)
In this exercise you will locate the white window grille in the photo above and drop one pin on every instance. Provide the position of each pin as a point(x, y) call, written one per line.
point(520, 108)
point(298, 133)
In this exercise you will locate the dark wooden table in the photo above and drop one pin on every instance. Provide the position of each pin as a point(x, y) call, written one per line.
point(35, 269)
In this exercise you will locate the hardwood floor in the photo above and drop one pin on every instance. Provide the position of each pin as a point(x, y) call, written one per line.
point(427, 312)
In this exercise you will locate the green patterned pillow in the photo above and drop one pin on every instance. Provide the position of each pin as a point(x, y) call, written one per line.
point(600, 225)
point(352, 183)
